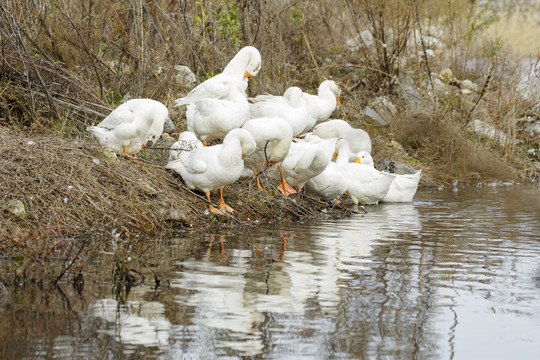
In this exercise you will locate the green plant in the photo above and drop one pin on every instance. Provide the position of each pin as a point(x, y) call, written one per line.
point(228, 21)
point(296, 15)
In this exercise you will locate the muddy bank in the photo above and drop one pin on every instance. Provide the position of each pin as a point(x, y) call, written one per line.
point(73, 186)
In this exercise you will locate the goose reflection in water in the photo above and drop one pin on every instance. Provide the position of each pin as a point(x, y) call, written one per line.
point(135, 322)
point(219, 300)
point(230, 293)
point(348, 247)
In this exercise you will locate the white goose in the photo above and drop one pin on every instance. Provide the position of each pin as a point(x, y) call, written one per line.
point(247, 62)
point(212, 118)
point(273, 137)
point(303, 162)
point(212, 167)
point(186, 142)
point(322, 105)
point(358, 139)
point(403, 187)
point(331, 184)
point(366, 185)
point(291, 107)
point(131, 125)
point(328, 144)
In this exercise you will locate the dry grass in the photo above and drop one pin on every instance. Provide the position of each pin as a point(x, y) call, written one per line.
point(451, 151)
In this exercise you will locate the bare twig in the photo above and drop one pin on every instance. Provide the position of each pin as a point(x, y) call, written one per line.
point(84, 46)
point(312, 56)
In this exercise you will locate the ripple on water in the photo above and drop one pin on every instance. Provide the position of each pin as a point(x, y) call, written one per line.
point(454, 274)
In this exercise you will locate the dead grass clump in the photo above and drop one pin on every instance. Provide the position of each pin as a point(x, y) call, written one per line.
point(76, 189)
point(38, 92)
point(449, 149)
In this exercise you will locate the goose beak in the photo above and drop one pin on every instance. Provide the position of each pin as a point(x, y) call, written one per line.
point(246, 74)
point(243, 156)
point(338, 99)
point(334, 157)
point(357, 160)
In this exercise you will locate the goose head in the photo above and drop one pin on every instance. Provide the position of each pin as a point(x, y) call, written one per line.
point(330, 85)
point(363, 157)
point(244, 138)
point(246, 62)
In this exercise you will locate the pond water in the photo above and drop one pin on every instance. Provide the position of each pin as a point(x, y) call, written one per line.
point(455, 274)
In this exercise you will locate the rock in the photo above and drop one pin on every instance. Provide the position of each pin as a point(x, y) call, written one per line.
point(530, 127)
point(369, 112)
point(382, 104)
point(430, 42)
point(393, 167)
point(16, 207)
point(396, 146)
point(428, 53)
point(409, 91)
point(447, 76)
point(110, 155)
point(173, 214)
point(365, 38)
point(146, 188)
point(168, 126)
point(381, 110)
point(482, 128)
point(469, 85)
point(439, 85)
point(184, 77)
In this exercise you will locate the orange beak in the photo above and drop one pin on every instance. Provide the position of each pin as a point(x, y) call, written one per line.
point(334, 156)
point(357, 160)
point(143, 146)
point(243, 156)
point(338, 100)
point(246, 74)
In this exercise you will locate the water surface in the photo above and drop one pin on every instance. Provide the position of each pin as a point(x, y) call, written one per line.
point(454, 275)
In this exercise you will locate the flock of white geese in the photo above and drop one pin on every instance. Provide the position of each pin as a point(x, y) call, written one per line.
point(290, 137)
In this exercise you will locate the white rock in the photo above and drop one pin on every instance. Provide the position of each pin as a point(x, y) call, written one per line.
point(482, 128)
point(367, 38)
point(183, 76)
point(469, 85)
point(359, 40)
point(447, 76)
point(16, 207)
point(429, 53)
